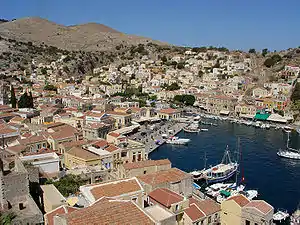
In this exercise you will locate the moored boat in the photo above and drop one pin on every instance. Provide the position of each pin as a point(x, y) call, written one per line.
point(177, 141)
point(289, 153)
point(280, 215)
point(221, 172)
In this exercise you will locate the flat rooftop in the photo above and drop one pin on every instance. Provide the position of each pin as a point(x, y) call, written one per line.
point(52, 194)
point(158, 213)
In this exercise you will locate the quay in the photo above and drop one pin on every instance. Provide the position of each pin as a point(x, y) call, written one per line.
point(150, 136)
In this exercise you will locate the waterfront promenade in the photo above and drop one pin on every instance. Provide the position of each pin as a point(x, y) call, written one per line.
point(148, 136)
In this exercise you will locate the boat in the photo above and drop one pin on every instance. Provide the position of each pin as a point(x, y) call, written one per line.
point(258, 124)
point(289, 152)
point(197, 118)
point(298, 130)
point(192, 128)
point(204, 129)
point(197, 175)
point(250, 194)
point(221, 172)
point(280, 215)
point(263, 126)
point(177, 141)
point(287, 129)
point(268, 126)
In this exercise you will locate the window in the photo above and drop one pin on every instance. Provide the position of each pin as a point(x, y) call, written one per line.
point(247, 222)
point(145, 171)
point(176, 207)
point(209, 219)
point(256, 224)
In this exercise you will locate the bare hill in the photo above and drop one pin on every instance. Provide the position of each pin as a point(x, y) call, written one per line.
point(89, 37)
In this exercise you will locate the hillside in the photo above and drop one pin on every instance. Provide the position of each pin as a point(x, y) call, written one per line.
point(85, 37)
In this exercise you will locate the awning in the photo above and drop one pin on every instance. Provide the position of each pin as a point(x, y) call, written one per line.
point(224, 112)
point(225, 193)
point(259, 116)
point(277, 118)
point(248, 116)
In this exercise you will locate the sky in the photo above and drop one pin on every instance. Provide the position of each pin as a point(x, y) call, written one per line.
point(235, 24)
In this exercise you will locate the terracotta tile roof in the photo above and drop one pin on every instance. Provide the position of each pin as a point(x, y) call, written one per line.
point(107, 211)
point(165, 197)
point(82, 153)
point(114, 134)
point(115, 188)
point(62, 210)
point(7, 131)
point(194, 212)
point(74, 143)
point(117, 113)
point(241, 200)
point(111, 148)
point(63, 133)
point(169, 111)
point(17, 119)
point(39, 152)
point(100, 144)
point(16, 149)
point(147, 163)
point(260, 205)
point(32, 139)
point(207, 206)
point(166, 176)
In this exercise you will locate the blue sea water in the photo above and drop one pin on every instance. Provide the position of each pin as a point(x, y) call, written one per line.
point(276, 179)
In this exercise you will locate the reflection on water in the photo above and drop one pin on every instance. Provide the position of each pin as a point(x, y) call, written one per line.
point(276, 179)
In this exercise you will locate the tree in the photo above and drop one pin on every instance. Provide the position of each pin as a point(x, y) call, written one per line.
point(164, 59)
point(296, 93)
point(50, 87)
point(200, 73)
point(13, 100)
point(24, 101)
point(6, 218)
point(173, 87)
point(152, 104)
point(44, 71)
point(31, 100)
point(252, 50)
point(187, 100)
point(69, 184)
point(264, 52)
point(269, 62)
point(153, 97)
point(180, 65)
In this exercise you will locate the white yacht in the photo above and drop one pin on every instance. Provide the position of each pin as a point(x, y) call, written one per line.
point(289, 153)
point(280, 215)
point(177, 141)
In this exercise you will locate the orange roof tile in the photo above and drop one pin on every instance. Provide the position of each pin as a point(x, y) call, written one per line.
point(165, 197)
point(100, 143)
point(241, 200)
point(107, 211)
point(207, 206)
point(114, 134)
point(111, 148)
point(115, 188)
point(166, 176)
point(147, 163)
point(62, 210)
point(260, 205)
point(169, 111)
point(194, 212)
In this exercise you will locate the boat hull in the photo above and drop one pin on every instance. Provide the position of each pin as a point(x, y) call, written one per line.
point(220, 179)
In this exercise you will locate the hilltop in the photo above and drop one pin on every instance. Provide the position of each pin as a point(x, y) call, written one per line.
point(84, 37)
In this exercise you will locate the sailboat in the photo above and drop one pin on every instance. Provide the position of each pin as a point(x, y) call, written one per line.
point(221, 172)
point(289, 152)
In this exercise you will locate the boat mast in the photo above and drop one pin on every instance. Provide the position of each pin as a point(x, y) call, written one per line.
point(205, 159)
point(288, 140)
point(237, 158)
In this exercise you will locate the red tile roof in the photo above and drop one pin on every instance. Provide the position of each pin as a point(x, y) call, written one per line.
point(107, 211)
point(62, 210)
point(147, 163)
point(111, 148)
point(194, 212)
point(114, 134)
point(169, 111)
point(82, 154)
point(241, 200)
point(207, 206)
point(260, 205)
point(161, 177)
point(100, 144)
point(115, 188)
point(165, 197)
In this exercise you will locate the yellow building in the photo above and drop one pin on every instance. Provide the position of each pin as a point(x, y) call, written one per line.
point(231, 210)
point(169, 114)
point(77, 156)
point(52, 198)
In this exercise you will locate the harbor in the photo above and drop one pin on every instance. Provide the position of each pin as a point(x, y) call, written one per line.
point(276, 179)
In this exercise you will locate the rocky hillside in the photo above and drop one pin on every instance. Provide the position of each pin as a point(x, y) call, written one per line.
point(85, 37)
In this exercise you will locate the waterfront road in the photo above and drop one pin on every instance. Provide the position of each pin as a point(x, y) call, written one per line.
point(148, 134)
